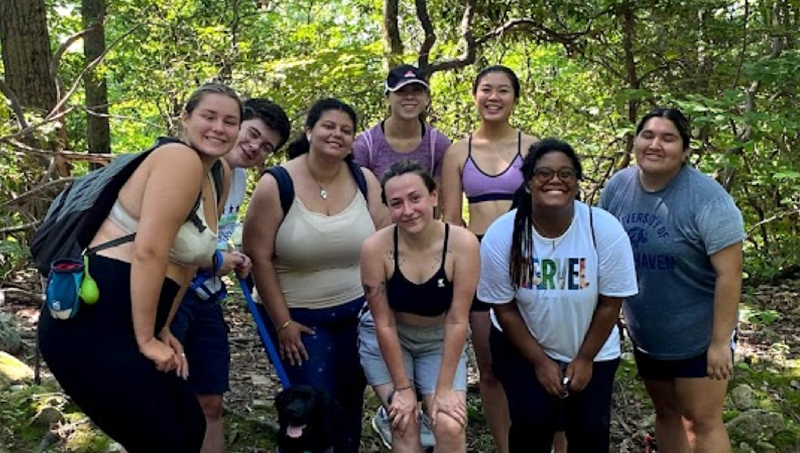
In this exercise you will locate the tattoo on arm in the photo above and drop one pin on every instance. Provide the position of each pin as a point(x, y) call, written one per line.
point(372, 291)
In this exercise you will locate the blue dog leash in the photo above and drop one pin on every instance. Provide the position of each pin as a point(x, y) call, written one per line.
point(265, 338)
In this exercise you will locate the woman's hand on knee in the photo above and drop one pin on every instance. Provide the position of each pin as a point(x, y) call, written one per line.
point(450, 403)
point(291, 344)
point(403, 409)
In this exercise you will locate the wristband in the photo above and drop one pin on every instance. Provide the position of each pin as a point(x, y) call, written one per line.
point(284, 325)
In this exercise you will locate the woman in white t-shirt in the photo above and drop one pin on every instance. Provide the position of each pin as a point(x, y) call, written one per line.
point(556, 271)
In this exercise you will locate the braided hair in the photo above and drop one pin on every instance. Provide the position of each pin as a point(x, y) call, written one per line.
point(521, 260)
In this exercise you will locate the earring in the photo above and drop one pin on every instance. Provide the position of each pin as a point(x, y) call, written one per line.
point(308, 138)
point(528, 188)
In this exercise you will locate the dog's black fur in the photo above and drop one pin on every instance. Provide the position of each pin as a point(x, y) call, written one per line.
point(302, 405)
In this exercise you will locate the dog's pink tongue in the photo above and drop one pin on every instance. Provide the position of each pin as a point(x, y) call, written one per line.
point(294, 431)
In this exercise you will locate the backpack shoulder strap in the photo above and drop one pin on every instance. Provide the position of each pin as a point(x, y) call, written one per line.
point(368, 142)
point(285, 186)
point(591, 227)
point(358, 175)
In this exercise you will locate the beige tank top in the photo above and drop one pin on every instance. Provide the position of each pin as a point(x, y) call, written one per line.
point(318, 256)
point(191, 246)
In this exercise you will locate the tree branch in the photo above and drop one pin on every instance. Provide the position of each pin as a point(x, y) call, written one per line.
point(88, 68)
point(95, 158)
point(568, 40)
point(17, 228)
point(54, 65)
point(36, 190)
point(391, 31)
point(16, 107)
point(430, 35)
point(56, 113)
point(470, 51)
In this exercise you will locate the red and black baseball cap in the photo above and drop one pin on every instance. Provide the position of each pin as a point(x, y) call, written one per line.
point(403, 75)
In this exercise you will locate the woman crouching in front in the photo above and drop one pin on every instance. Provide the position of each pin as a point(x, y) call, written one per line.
point(419, 278)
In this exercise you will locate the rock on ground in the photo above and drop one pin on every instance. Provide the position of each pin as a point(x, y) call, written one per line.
point(755, 425)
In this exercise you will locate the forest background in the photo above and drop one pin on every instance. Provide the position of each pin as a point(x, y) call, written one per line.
point(82, 80)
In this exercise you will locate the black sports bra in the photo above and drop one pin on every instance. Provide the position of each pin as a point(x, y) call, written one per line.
point(431, 298)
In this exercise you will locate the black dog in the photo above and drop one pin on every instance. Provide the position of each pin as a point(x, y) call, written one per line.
point(306, 418)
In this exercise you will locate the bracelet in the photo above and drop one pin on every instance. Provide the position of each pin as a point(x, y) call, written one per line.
point(408, 387)
point(284, 325)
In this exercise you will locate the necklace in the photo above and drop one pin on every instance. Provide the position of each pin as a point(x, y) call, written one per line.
point(554, 239)
point(323, 192)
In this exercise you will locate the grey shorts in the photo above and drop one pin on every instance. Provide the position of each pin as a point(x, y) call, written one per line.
point(422, 356)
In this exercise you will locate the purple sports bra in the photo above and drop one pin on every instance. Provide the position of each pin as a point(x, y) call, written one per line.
point(479, 186)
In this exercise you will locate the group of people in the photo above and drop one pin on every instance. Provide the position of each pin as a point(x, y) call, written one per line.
point(370, 275)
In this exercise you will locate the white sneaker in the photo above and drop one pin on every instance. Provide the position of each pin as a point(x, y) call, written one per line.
point(382, 426)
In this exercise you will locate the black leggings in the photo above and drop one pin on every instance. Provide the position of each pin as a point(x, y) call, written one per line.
point(96, 359)
point(536, 415)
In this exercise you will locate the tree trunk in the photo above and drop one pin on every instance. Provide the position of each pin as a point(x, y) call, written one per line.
point(94, 44)
point(25, 41)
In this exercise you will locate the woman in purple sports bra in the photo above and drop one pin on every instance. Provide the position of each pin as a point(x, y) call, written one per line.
point(485, 167)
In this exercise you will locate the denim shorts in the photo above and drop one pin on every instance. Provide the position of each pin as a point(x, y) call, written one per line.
point(200, 326)
point(422, 356)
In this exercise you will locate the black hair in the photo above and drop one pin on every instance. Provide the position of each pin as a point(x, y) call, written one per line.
point(212, 88)
point(678, 119)
point(521, 260)
point(271, 114)
point(300, 145)
point(502, 69)
point(403, 167)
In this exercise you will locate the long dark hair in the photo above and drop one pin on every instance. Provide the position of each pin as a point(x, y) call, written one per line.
point(520, 267)
point(300, 145)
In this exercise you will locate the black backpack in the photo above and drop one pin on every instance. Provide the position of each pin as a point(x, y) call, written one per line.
point(78, 211)
point(286, 186)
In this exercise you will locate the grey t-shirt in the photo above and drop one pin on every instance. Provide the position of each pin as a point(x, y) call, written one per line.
point(372, 151)
point(673, 231)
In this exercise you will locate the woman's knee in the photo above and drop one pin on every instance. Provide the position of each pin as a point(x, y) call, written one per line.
point(701, 402)
point(212, 406)
point(409, 437)
point(447, 430)
point(701, 419)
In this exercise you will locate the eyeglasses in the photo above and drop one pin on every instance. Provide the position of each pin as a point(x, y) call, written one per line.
point(544, 174)
point(264, 146)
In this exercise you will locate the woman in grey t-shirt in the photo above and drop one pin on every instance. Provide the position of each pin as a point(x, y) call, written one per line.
point(687, 237)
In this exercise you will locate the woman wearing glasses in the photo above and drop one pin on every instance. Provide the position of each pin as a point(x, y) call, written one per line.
point(555, 271)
